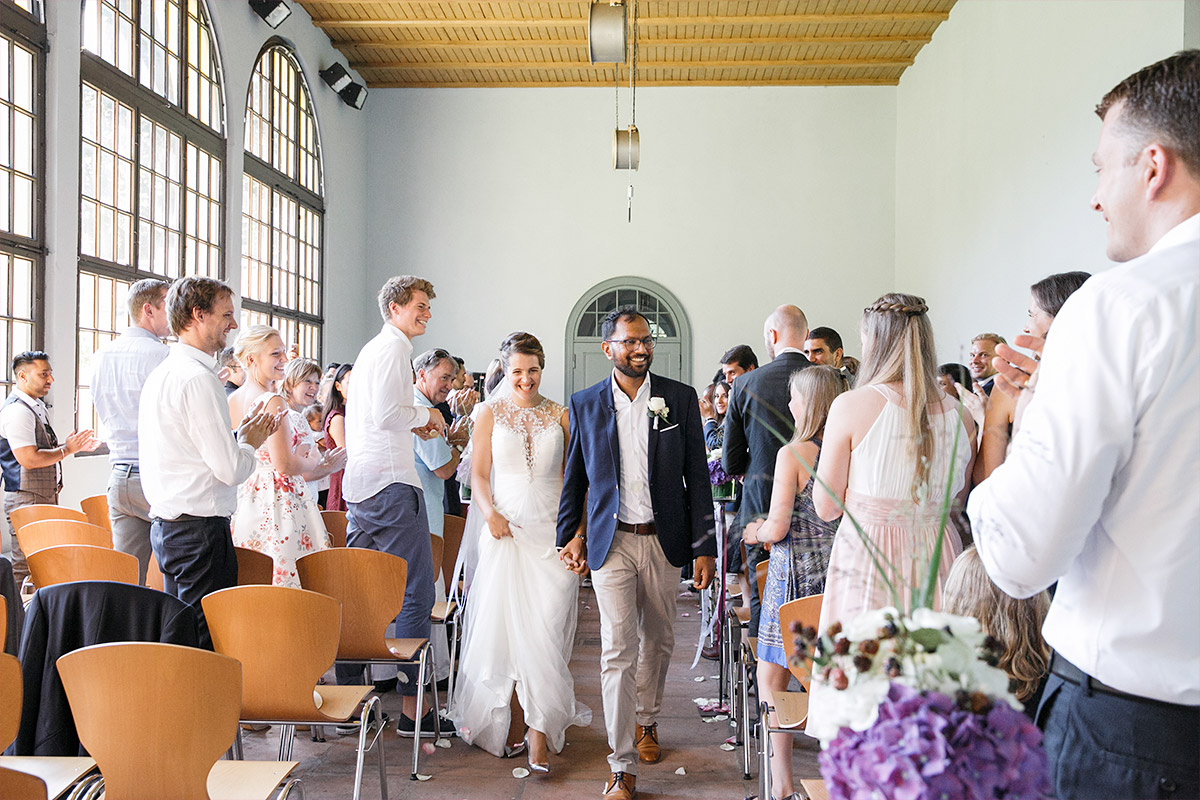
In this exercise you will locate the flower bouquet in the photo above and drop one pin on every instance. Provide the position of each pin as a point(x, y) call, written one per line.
point(723, 486)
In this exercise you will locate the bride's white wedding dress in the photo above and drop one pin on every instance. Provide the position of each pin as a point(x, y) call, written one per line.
point(521, 609)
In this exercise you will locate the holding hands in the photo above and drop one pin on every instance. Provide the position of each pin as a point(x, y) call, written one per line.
point(574, 556)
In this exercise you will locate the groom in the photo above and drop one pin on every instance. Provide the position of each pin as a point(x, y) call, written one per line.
point(636, 457)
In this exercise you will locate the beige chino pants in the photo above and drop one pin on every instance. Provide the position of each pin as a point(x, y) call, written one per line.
point(635, 591)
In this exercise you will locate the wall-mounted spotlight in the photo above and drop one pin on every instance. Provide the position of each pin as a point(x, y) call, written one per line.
point(273, 12)
point(338, 78)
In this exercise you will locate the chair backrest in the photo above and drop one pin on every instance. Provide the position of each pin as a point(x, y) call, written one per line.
point(807, 612)
point(370, 586)
point(254, 568)
point(15, 785)
point(452, 536)
point(285, 638)
point(39, 511)
point(34, 536)
point(335, 523)
point(96, 508)
point(64, 563)
point(154, 576)
point(436, 544)
point(10, 710)
point(760, 576)
point(158, 735)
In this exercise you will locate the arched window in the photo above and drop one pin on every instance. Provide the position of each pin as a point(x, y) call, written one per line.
point(151, 159)
point(282, 207)
point(22, 91)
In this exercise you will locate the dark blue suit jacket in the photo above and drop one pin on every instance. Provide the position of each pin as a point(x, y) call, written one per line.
point(680, 491)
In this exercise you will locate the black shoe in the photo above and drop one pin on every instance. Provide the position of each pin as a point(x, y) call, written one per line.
point(385, 687)
point(443, 686)
point(405, 726)
point(711, 651)
point(352, 730)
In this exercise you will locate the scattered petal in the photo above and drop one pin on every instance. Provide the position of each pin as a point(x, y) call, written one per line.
point(706, 719)
point(721, 717)
point(443, 743)
point(466, 732)
point(403, 678)
point(698, 678)
point(428, 749)
point(681, 771)
point(731, 740)
point(421, 777)
point(685, 614)
point(716, 677)
point(726, 746)
point(700, 700)
point(520, 772)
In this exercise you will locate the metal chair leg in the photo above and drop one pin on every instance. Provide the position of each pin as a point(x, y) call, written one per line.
point(287, 733)
point(745, 709)
point(764, 779)
point(416, 753)
point(383, 787)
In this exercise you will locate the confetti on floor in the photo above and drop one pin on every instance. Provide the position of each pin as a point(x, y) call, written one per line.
point(428, 749)
point(520, 772)
point(681, 771)
point(421, 777)
point(443, 743)
point(726, 746)
point(698, 678)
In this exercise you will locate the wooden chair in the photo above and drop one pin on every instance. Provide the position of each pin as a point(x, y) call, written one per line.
point(164, 739)
point(154, 576)
point(335, 523)
point(254, 568)
point(3, 624)
point(64, 563)
point(370, 586)
point(29, 777)
point(34, 536)
point(96, 508)
point(437, 546)
point(790, 708)
point(446, 612)
point(286, 639)
point(24, 515)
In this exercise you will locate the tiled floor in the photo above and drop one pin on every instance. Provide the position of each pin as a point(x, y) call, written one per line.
point(462, 772)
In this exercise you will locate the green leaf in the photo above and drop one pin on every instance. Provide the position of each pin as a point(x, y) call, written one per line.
point(929, 638)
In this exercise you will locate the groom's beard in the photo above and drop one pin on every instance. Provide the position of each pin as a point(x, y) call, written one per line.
point(627, 369)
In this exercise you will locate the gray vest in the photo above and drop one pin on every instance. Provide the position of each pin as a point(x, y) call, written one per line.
point(44, 483)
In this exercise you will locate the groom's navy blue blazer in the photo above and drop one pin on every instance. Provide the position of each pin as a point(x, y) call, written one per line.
point(680, 492)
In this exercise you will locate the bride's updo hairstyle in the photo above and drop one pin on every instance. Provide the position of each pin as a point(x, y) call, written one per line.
point(523, 343)
point(251, 341)
point(898, 347)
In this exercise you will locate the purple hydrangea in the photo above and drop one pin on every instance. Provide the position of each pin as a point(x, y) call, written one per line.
point(923, 747)
point(716, 473)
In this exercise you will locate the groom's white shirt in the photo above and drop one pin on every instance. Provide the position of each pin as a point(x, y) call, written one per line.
point(633, 436)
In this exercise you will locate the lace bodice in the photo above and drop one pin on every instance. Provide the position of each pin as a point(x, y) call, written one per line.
point(527, 423)
point(527, 458)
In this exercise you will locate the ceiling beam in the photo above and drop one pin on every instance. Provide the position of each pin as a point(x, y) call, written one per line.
point(510, 65)
point(594, 84)
point(562, 22)
point(479, 44)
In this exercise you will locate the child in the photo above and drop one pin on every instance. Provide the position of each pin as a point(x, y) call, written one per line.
point(312, 415)
point(800, 542)
point(1016, 623)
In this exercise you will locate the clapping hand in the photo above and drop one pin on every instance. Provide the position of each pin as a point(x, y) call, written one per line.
point(84, 440)
point(1018, 372)
point(706, 410)
point(257, 425)
point(462, 401)
point(460, 432)
point(334, 459)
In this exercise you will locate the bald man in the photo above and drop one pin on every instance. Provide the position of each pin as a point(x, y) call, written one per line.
point(756, 426)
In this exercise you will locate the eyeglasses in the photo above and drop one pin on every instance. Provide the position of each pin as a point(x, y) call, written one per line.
point(630, 344)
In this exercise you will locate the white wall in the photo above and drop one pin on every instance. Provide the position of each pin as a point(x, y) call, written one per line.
point(994, 136)
point(241, 36)
point(746, 199)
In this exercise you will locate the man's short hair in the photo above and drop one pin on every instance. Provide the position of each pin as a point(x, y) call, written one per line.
point(227, 359)
point(399, 290)
point(622, 314)
point(193, 293)
point(829, 336)
point(21, 360)
point(147, 290)
point(1162, 102)
point(994, 338)
point(430, 359)
point(742, 355)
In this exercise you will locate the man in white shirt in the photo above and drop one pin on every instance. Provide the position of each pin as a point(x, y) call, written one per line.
point(29, 450)
point(191, 460)
point(1099, 489)
point(381, 484)
point(119, 371)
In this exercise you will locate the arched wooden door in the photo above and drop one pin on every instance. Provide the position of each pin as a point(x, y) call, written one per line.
point(668, 322)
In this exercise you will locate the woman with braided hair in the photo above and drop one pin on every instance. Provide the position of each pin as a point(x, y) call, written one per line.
point(891, 448)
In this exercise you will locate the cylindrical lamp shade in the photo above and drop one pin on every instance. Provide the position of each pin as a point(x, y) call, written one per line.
point(606, 33)
point(627, 148)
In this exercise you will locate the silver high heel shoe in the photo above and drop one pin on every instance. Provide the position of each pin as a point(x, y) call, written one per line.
point(538, 769)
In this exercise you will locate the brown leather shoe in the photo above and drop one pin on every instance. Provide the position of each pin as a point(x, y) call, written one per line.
point(647, 744)
point(620, 786)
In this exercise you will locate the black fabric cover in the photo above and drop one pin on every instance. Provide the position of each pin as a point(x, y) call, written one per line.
point(67, 617)
point(16, 611)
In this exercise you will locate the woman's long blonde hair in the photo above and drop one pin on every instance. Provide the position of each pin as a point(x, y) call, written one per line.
point(1017, 624)
point(817, 386)
point(898, 348)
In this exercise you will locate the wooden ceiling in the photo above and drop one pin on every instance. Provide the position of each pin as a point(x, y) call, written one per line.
point(498, 43)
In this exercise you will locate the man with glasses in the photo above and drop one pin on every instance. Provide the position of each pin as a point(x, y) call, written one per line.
point(636, 459)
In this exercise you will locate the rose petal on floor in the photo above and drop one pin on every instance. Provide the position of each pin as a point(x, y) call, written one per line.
point(731, 740)
point(443, 743)
point(720, 717)
point(428, 749)
point(421, 777)
point(520, 772)
point(681, 771)
point(698, 678)
point(726, 746)
point(685, 614)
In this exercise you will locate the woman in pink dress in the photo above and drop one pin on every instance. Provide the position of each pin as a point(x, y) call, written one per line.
point(277, 511)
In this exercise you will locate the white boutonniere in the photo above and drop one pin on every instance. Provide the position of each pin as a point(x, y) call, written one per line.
point(658, 409)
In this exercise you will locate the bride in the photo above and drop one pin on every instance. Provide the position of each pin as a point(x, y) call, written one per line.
point(521, 611)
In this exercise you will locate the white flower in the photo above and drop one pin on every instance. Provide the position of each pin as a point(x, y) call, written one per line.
point(658, 404)
point(867, 624)
point(938, 620)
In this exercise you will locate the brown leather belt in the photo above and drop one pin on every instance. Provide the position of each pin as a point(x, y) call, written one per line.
point(1073, 674)
point(638, 529)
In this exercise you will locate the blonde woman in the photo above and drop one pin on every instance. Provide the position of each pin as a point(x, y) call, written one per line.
point(799, 540)
point(1017, 624)
point(277, 511)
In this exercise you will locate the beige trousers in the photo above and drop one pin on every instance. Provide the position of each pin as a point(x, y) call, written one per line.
point(635, 591)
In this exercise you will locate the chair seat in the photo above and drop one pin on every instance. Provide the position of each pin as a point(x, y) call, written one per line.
point(442, 610)
point(791, 709)
point(733, 591)
point(814, 788)
point(743, 615)
point(58, 772)
point(247, 780)
point(405, 649)
point(340, 702)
